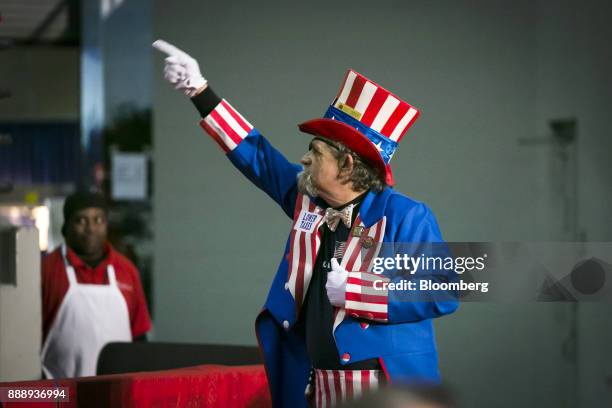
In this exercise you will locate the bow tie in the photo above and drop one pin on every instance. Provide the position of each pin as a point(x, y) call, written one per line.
point(332, 217)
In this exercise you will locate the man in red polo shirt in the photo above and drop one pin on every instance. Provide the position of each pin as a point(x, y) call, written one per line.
point(92, 294)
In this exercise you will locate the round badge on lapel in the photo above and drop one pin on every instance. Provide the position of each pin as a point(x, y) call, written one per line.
point(367, 242)
point(357, 231)
point(346, 357)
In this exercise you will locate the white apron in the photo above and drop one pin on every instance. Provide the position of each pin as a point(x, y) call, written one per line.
point(89, 317)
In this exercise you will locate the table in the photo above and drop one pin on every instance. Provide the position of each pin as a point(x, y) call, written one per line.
point(199, 386)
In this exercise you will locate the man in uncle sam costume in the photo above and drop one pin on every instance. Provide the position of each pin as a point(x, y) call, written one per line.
point(325, 332)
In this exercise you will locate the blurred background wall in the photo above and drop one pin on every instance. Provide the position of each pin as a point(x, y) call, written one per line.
point(513, 144)
point(489, 77)
point(37, 77)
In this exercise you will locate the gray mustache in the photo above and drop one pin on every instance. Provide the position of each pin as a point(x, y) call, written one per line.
point(305, 185)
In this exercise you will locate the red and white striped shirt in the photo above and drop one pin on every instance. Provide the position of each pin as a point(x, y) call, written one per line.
point(334, 386)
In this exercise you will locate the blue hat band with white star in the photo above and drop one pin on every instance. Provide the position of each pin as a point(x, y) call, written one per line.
point(386, 147)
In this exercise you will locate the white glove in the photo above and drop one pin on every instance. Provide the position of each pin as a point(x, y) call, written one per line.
point(336, 284)
point(181, 70)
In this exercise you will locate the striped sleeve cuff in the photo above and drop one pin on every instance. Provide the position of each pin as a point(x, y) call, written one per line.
point(226, 126)
point(367, 296)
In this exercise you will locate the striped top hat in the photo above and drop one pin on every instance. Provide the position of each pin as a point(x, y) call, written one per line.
point(366, 118)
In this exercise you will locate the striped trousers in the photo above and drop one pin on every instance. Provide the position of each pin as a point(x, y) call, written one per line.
point(334, 386)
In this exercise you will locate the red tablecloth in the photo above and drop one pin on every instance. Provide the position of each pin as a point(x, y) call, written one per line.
point(199, 386)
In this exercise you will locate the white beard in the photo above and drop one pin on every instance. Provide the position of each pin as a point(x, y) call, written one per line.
point(305, 185)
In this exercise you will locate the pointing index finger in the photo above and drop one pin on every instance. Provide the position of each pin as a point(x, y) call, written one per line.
point(169, 49)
